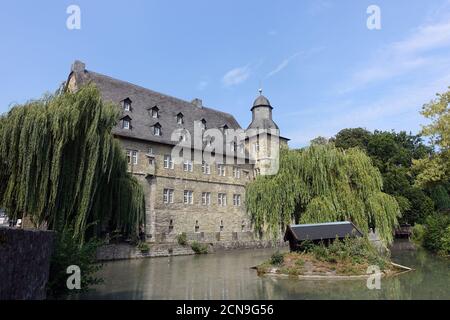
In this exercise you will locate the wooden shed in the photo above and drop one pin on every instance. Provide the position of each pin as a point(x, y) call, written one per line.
point(319, 232)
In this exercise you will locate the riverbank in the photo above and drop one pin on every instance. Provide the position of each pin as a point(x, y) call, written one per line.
point(123, 251)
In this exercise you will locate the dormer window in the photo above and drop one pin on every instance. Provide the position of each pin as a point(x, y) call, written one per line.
point(225, 129)
point(157, 129)
point(126, 123)
point(126, 104)
point(155, 112)
point(203, 124)
point(180, 118)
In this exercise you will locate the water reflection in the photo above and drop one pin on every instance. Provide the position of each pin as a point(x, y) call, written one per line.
point(228, 276)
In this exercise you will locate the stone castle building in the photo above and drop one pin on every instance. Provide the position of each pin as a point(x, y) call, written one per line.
point(203, 198)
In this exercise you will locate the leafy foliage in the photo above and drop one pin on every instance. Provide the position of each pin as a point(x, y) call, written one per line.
point(60, 165)
point(436, 233)
point(322, 184)
point(393, 154)
point(277, 258)
point(199, 248)
point(182, 239)
point(436, 169)
point(68, 252)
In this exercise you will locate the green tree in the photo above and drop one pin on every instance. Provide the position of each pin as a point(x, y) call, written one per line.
point(61, 166)
point(322, 184)
point(436, 168)
point(352, 138)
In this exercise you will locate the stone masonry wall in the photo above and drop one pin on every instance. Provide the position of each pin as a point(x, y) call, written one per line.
point(24, 263)
point(167, 220)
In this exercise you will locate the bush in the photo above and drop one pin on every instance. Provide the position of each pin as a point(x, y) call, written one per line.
point(353, 250)
point(143, 247)
point(68, 251)
point(445, 247)
point(182, 239)
point(199, 248)
point(418, 233)
point(436, 230)
point(277, 259)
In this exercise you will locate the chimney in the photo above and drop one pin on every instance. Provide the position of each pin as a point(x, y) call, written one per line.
point(78, 66)
point(197, 102)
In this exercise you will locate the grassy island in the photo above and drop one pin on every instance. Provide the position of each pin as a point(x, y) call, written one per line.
point(349, 257)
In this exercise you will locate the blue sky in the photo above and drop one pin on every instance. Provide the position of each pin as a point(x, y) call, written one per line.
point(320, 66)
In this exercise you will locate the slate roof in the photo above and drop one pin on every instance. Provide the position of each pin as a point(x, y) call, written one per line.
point(143, 100)
point(322, 231)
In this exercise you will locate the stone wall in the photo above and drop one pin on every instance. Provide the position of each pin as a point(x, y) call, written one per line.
point(164, 221)
point(24, 263)
point(125, 251)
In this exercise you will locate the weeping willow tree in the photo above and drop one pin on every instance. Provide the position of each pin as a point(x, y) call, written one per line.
point(322, 184)
point(60, 165)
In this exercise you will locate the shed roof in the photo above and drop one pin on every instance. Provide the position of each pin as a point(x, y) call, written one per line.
point(322, 231)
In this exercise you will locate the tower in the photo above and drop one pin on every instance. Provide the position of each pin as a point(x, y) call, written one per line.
point(263, 137)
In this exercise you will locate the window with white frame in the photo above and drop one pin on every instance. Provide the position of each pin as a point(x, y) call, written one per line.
point(132, 157)
point(187, 166)
point(237, 200)
point(236, 172)
point(206, 168)
point(168, 195)
point(168, 162)
point(155, 112)
point(127, 104)
point(126, 124)
point(206, 198)
point(157, 129)
point(203, 124)
point(188, 197)
point(222, 199)
point(256, 147)
point(221, 170)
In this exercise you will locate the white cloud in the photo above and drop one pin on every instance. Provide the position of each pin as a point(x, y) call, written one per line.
point(401, 107)
point(318, 6)
point(402, 57)
point(282, 65)
point(236, 76)
point(202, 85)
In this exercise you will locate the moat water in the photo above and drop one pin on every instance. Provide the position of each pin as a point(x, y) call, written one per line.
point(229, 276)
